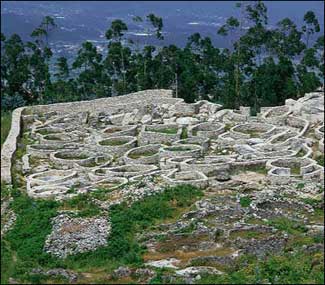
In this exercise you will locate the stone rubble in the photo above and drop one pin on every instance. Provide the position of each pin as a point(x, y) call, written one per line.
point(254, 170)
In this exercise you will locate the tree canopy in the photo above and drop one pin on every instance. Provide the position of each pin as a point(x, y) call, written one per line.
point(262, 67)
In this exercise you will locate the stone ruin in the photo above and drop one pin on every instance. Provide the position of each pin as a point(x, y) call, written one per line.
point(112, 143)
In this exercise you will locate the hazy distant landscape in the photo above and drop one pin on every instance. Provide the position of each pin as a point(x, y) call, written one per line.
point(80, 21)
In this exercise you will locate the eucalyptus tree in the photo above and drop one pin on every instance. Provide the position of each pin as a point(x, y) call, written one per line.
point(310, 62)
point(137, 56)
point(14, 72)
point(311, 26)
point(40, 54)
point(4, 76)
point(62, 68)
point(319, 46)
point(115, 34)
point(92, 79)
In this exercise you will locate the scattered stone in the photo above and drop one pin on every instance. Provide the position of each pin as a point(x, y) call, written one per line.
point(169, 263)
point(74, 235)
point(122, 272)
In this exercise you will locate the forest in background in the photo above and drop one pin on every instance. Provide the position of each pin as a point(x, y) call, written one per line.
point(263, 67)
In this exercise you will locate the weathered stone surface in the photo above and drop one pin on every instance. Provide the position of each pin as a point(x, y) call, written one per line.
point(74, 235)
point(169, 263)
point(194, 271)
point(250, 169)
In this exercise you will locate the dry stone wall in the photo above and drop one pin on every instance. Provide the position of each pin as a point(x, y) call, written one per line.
point(80, 147)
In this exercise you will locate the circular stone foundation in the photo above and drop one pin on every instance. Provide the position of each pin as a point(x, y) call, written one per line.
point(111, 183)
point(207, 130)
point(252, 130)
point(181, 150)
point(148, 154)
point(127, 170)
point(117, 145)
point(195, 178)
point(51, 177)
point(69, 158)
point(116, 131)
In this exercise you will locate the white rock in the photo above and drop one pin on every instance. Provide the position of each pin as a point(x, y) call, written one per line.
point(170, 263)
point(196, 270)
point(116, 119)
point(244, 149)
point(187, 121)
point(128, 118)
point(171, 120)
point(255, 141)
point(146, 119)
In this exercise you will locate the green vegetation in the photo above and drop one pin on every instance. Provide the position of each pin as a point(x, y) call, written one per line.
point(256, 168)
point(312, 201)
point(248, 234)
point(83, 204)
point(288, 225)
point(301, 153)
point(245, 201)
point(46, 132)
point(228, 127)
point(300, 185)
point(194, 132)
point(178, 148)
point(5, 125)
point(296, 267)
point(70, 156)
point(52, 138)
point(262, 67)
point(184, 134)
point(168, 131)
point(101, 193)
point(110, 142)
point(23, 245)
point(142, 154)
point(143, 214)
point(320, 160)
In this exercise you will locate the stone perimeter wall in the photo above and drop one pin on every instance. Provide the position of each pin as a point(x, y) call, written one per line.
point(10, 145)
point(116, 104)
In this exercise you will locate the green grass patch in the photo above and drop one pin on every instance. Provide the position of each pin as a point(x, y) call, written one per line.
point(287, 268)
point(245, 201)
point(320, 160)
point(5, 125)
point(301, 153)
point(168, 131)
point(184, 134)
point(110, 142)
point(248, 234)
point(313, 202)
point(70, 156)
point(142, 154)
point(127, 221)
point(300, 186)
point(295, 170)
point(178, 148)
point(285, 224)
point(194, 132)
point(46, 132)
point(23, 248)
point(23, 244)
point(83, 204)
point(228, 127)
